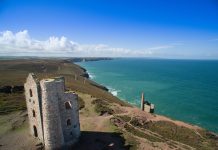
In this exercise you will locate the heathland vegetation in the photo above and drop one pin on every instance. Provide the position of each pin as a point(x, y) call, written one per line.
point(106, 121)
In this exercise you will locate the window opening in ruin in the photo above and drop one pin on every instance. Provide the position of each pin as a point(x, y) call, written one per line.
point(34, 114)
point(68, 122)
point(35, 131)
point(31, 93)
point(68, 105)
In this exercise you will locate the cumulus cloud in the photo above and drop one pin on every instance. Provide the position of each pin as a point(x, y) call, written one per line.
point(22, 43)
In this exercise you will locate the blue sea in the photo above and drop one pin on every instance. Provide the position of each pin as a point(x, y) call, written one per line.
point(185, 90)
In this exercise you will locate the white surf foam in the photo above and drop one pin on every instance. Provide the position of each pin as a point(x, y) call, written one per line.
point(113, 91)
point(91, 75)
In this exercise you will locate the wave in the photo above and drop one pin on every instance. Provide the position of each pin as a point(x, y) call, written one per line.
point(91, 75)
point(113, 91)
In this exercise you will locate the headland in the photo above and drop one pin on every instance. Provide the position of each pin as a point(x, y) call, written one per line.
point(106, 121)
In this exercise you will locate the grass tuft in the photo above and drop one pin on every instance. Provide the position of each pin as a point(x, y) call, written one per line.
point(102, 107)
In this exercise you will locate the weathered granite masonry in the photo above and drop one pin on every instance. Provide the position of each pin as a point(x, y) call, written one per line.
point(53, 113)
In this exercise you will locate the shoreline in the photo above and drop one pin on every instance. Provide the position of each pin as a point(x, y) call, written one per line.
point(106, 91)
point(160, 115)
point(100, 113)
point(111, 90)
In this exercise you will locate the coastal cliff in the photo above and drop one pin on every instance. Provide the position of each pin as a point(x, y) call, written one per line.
point(106, 121)
point(84, 59)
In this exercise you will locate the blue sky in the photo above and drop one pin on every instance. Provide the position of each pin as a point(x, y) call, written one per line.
point(128, 28)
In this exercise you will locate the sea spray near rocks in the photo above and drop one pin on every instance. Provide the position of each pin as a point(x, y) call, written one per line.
point(113, 91)
point(178, 88)
point(91, 75)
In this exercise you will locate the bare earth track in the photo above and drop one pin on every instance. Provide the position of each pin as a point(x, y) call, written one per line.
point(106, 122)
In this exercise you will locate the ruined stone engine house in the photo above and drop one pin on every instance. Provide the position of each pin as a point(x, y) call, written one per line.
point(53, 112)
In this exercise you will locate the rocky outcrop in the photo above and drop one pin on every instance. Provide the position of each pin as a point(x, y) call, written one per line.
point(100, 86)
point(86, 75)
point(5, 89)
point(11, 89)
point(17, 89)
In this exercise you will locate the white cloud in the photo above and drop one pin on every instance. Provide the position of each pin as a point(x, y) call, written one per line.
point(21, 43)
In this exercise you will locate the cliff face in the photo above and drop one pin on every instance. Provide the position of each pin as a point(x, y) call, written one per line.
point(88, 59)
point(105, 121)
point(85, 74)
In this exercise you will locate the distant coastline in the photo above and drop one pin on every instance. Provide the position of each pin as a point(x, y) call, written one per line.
point(97, 105)
point(72, 59)
point(103, 71)
point(85, 59)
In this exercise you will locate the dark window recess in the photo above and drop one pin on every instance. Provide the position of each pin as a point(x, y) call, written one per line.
point(35, 131)
point(68, 122)
point(68, 105)
point(34, 114)
point(31, 93)
point(33, 102)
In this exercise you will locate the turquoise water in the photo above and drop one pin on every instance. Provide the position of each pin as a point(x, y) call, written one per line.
point(185, 90)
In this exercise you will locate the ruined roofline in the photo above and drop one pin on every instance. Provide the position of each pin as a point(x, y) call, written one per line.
point(34, 77)
point(49, 80)
point(53, 79)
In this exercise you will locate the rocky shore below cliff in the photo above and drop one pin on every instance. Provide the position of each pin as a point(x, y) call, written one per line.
point(106, 121)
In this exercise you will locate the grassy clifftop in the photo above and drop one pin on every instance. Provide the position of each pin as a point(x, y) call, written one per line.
point(14, 73)
point(106, 122)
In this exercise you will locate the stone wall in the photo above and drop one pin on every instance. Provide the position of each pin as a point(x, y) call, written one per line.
point(33, 102)
point(70, 117)
point(56, 112)
point(51, 93)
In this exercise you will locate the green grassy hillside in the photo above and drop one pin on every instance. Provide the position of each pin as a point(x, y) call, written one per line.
point(106, 122)
point(14, 73)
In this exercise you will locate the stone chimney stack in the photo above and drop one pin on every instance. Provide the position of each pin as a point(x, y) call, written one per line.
point(142, 102)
